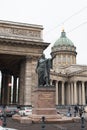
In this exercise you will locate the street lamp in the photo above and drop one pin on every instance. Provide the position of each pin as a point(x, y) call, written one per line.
point(43, 123)
point(82, 121)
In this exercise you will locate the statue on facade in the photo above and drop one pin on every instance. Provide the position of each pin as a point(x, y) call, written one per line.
point(43, 71)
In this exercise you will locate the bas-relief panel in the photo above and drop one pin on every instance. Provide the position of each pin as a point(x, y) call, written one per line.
point(20, 32)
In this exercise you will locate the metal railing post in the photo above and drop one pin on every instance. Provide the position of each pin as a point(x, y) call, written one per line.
point(43, 123)
point(82, 122)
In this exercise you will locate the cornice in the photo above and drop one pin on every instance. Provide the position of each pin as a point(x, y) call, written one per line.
point(63, 52)
point(18, 24)
point(77, 72)
point(58, 74)
point(25, 42)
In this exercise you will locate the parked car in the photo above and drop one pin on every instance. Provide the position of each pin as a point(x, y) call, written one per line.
point(25, 111)
point(5, 128)
point(10, 110)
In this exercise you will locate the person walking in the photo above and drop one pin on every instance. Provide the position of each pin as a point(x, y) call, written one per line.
point(76, 108)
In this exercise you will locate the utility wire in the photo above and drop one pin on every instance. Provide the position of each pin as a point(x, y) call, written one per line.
point(77, 26)
point(78, 12)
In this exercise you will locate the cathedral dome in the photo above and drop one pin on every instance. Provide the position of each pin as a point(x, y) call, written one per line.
point(63, 44)
point(63, 52)
point(63, 41)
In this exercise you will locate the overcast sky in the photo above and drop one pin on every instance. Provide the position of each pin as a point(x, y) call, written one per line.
point(53, 15)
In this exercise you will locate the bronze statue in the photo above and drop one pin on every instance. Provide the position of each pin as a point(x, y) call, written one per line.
point(43, 70)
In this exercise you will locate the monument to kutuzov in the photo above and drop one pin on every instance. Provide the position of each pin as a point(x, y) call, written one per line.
point(44, 94)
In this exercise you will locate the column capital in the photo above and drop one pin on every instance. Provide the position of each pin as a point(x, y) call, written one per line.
point(75, 82)
point(56, 82)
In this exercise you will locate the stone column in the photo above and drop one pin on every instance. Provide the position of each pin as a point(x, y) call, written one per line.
point(68, 94)
point(28, 81)
point(75, 93)
point(80, 95)
point(14, 89)
point(2, 88)
point(9, 87)
point(25, 82)
point(18, 92)
point(72, 94)
point(56, 93)
point(21, 83)
point(62, 93)
point(5, 90)
point(83, 93)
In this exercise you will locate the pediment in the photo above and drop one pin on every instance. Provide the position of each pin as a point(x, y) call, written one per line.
point(75, 70)
point(83, 72)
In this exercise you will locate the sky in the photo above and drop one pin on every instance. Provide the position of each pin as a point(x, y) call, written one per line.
point(54, 15)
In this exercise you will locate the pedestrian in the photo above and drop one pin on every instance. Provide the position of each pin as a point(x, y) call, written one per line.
point(76, 108)
point(69, 112)
point(80, 111)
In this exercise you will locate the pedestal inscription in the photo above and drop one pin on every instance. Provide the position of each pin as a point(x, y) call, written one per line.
point(44, 101)
point(44, 105)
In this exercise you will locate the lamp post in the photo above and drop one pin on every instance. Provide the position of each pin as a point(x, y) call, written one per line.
point(43, 123)
point(82, 122)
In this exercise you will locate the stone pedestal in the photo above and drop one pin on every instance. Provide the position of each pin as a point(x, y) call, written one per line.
point(44, 104)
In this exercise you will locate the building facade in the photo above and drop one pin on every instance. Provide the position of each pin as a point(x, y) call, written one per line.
point(69, 78)
point(21, 45)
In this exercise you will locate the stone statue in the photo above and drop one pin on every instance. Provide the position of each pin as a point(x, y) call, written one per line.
point(43, 70)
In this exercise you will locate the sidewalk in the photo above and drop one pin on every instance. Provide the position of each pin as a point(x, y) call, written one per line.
point(65, 126)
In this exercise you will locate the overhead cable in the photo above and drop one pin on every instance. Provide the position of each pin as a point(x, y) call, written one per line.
point(77, 27)
point(78, 12)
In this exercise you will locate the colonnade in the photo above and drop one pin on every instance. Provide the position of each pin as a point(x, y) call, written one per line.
point(18, 89)
point(8, 89)
point(71, 93)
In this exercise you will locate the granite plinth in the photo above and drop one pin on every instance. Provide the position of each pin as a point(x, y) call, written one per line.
point(44, 104)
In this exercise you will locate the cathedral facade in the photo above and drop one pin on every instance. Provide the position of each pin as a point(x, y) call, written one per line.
point(21, 45)
point(69, 78)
